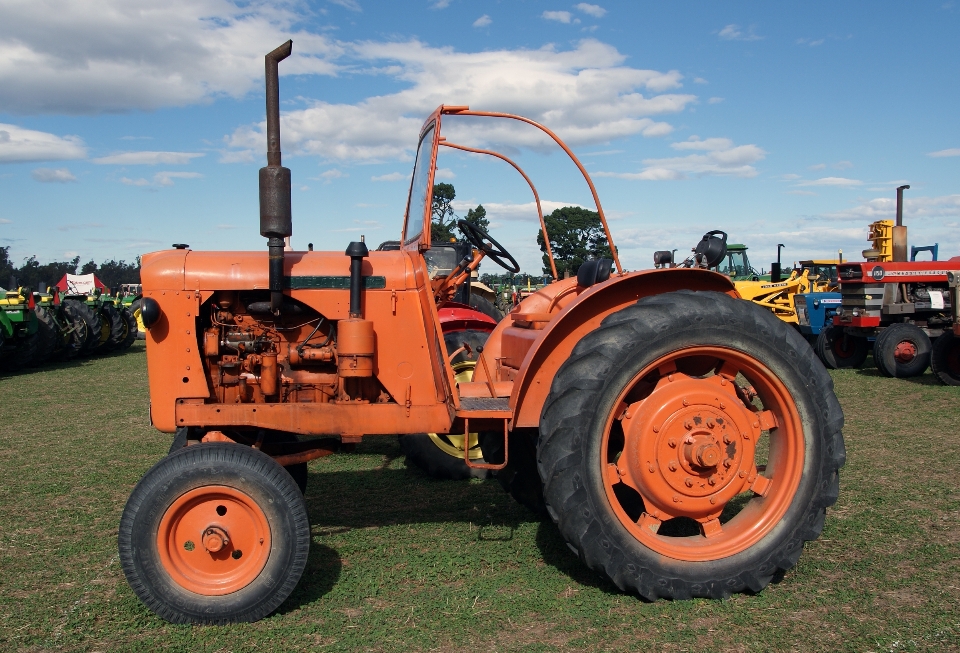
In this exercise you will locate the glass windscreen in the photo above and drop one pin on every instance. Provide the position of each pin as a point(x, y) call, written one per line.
point(733, 264)
point(419, 188)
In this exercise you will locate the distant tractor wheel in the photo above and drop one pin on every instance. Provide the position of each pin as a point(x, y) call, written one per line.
point(92, 321)
point(902, 350)
point(214, 533)
point(129, 329)
point(77, 330)
point(135, 309)
point(115, 329)
point(690, 445)
point(838, 350)
point(25, 353)
point(945, 359)
point(49, 334)
point(441, 455)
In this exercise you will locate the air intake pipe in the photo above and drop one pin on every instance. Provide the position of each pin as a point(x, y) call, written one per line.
point(276, 222)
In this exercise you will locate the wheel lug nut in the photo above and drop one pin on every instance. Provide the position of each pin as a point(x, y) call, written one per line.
point(742, 474)
point(712, 480)
point(672, 466)
point(688, 425)
point(713, 500)
point(711, 423)
point(672, 443)
point(727, 439)
point(688, 482)
point(727, 463)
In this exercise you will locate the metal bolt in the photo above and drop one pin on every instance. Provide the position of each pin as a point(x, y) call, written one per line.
point(712, 480)
point(688, 482)
point(651, 468)
point(672, 443)
point(727, 463)
point(672, 466)
point(685, 403)
point(688, 440)
point(742, 474)
point(711, 423)
point(756, 424)
point(656, 429)
point(676, 499)
point(727, 439)
point(713, 500)
point(687, 424)
point(722, 406)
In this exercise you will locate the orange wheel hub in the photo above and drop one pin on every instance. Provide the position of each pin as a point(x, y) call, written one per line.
point(905, 351)
point(689, 449)
point(214, 540)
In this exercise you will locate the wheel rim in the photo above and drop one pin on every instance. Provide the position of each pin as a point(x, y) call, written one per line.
point(843, 347)
point(214, 540)
point(452, 444)
point(687, 438)
point(140, 327)
point(905, 351)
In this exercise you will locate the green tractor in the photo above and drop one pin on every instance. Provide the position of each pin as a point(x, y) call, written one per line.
point(736, 265)
point(131, 295)
point(65, 324)
point(111, 325)
point(20, 337)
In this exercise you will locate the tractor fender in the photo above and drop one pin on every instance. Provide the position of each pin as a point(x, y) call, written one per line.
point(579, 317)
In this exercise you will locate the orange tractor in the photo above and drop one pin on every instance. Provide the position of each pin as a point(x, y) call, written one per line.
point(686, 442)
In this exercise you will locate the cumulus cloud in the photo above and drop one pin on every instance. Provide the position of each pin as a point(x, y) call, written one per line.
point(19, 145)
point(918, 208)
point(440, 4)
point(392, 176)
point(509, 211)
point(148, 158)
point(559, 16)
point(352, 5)
point(591, 10)
point(585, 94)
point(955, 151)
point(842, 182)
point(83, 56)
point(445, 173)
point(483, 21)
point(734, 33)
point(161, 179)
point(53, 176)
point(720, 158)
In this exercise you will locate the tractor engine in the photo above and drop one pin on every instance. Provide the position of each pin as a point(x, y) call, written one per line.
point(254, 356)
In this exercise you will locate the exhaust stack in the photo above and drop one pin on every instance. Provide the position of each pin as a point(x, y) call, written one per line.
point(899, 231)
point(276, 222)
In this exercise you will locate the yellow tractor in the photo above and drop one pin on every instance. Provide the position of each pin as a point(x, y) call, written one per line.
point(778, 296)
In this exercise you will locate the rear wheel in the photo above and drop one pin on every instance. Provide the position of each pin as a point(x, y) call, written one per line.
point(78, 330)
point(839, 350)
point(902, 350)
point(945, 359)
point(91, 320)
point(24, 354)
point(129, 329)
point(214, 533)
point(49, 334)
point(114, 328)
point(690, 446)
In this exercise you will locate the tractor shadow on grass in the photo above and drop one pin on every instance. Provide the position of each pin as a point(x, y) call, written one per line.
point(53, 365)
point(869, 369)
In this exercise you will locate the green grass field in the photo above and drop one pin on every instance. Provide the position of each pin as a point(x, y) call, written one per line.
point(400, 562)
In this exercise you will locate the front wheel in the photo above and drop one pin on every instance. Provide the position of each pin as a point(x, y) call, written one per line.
point(902, 350)
point(690, 446)
point(214, 533)
point(838, 350)
point(945, 359)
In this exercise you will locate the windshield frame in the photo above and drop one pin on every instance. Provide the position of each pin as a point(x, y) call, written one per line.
point(421, 240)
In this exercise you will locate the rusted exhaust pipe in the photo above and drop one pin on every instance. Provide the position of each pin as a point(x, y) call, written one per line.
point(276, 222)
point(899, 231)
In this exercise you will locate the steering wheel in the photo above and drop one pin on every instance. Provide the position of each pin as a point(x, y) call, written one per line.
point(482, 241)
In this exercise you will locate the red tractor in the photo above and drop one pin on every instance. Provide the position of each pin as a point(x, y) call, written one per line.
point(685, 442)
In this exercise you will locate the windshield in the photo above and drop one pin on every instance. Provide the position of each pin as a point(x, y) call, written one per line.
point(419, 188)
point(734, 264)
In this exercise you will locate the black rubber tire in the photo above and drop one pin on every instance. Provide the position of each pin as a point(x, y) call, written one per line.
point(298, 472)
point(24, 354)
point(838, 350)
point(582, 395)
point(422, 452)
point(236, 466)
point(886, 344)
point(111, 317)
point(945, 358)
point(129, 330)
point(75, 341)
point(92, 320)
point(520, 478)
point(454, 340)
point(485, 306)
point(49, 334)
point(134, 308)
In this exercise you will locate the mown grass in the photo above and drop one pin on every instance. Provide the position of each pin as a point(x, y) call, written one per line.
point(401, 562)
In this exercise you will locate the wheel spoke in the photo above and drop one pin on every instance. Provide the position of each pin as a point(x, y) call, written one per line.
point(728, 369)
point(760, 485)
point(611, 474)
point(768, 421)
point(670, 367)
point(711, 528)
point(649, 522)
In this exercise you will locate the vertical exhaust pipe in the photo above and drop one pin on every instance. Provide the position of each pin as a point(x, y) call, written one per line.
point(899, 231)
point(276, 222)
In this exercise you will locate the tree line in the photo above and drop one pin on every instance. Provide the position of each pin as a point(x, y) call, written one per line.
point(36, 276)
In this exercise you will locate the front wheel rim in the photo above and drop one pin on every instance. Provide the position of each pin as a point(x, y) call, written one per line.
point(213, 540)
point(685, 436)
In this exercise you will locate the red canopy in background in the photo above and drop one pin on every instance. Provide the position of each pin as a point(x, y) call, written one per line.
point(79, 283)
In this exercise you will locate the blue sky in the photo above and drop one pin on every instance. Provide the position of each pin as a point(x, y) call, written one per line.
point(129, 125)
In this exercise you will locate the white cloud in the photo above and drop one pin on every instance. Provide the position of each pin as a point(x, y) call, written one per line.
point(327, 176)
point(161, 179)
point(955, 151)
point(148, 158)
point(592, 10)
point(700, 80)
point(5, 221)
point(56, 176)
point(800, 192)
point(817, 166)
point(790, 176)
point(508, 211)
point(585, 94)
point(559, 16)
point(19, 145)
point(445, 173)
point(715, 100)
point(114, 55)
point(440, 4)
point(483, 21)
point(811, 42)
point(916, 208)
point(722, 158)
point(842, 182)
point(352, 5)
point(392, 176)
point(734, 33)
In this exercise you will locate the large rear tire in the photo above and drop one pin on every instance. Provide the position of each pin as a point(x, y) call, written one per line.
point(49, 334)
point(129, 329)
point(690, 446)
point(78, 329)
point(92, 321)
point(945, 359)
point(116, 327)
point(838, 350)
point(902, 350)
point(214, 533)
